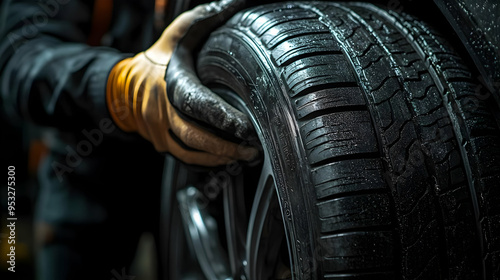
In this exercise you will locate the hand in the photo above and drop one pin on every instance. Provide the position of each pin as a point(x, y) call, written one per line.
point(137, 98)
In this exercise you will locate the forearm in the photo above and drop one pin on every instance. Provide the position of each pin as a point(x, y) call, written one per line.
point(48, 74)
point(57, 84)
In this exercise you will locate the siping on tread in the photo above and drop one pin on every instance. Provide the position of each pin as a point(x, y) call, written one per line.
point(404, 171)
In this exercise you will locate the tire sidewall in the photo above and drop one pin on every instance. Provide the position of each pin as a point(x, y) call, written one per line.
point(230, 59)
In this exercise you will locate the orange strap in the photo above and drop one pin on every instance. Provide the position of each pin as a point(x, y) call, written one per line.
point(101, 19)
point(160, 12)
point(160, 6)
point(36, 153)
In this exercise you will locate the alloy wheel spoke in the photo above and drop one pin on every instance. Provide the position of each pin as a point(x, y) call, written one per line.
point(201, 230)
point(235, 223)
point(264, 197)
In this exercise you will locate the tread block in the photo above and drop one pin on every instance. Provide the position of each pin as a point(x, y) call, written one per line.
point(388, 88)
point(288, 30)
point(329, 99)
point(423, 257)
point(348, 176)
point(311, 73)
point(269, 20)
point(292, 49)
point(348, 251)
point(354, 212)
point(487, 153)
point(339, 134)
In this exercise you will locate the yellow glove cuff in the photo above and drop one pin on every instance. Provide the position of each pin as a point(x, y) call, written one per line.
point(120, 96)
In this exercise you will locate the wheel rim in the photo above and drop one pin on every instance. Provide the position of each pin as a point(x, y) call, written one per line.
point(253, 246)
point(265, 230)
point(254, 242)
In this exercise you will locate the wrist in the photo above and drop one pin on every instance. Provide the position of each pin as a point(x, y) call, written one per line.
point(119, 99)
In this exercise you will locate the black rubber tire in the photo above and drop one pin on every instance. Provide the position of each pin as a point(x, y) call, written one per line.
point(387, 162)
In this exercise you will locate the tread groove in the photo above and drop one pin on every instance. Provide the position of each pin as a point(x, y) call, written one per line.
point(346, 157)
point(353, 193)
point(306, 55)
point(392, 148)
point(322, 112)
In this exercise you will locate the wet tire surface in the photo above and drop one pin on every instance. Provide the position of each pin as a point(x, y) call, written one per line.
point(390, 161)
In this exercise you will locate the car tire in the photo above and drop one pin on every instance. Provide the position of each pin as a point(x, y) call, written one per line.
point(387, 162)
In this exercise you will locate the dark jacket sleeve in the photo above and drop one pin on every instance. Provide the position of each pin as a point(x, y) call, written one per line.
point(48, 74)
